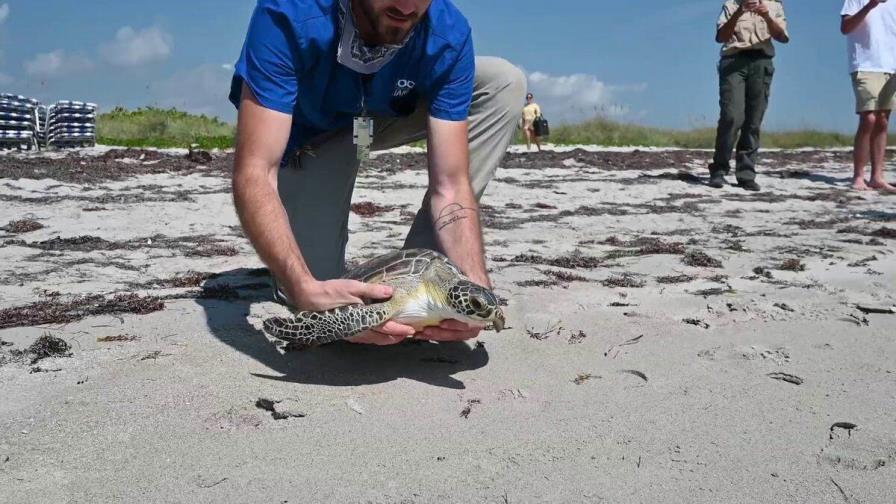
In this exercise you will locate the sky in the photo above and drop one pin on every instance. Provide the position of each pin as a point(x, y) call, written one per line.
point(651, 62)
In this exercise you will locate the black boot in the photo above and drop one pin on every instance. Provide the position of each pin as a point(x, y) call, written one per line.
point(749, 185)
point(717, 180)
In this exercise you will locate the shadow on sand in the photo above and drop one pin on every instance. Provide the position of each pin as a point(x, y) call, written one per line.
point(336, 364)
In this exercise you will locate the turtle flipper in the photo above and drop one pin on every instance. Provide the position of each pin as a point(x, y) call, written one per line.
point(316, 328)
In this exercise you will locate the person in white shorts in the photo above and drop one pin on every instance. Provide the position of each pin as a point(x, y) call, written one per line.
point(870, 29)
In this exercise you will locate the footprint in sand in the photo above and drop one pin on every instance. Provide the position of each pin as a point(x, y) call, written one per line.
point(858, 449)
point(232, 419)
point(779, 355)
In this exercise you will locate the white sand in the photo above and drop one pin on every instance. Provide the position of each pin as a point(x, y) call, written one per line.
point(171, 417)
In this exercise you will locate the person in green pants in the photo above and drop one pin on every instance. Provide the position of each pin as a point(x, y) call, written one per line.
point(746, 29)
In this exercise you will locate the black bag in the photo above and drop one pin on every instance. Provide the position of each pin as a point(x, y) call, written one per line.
point(541, 127)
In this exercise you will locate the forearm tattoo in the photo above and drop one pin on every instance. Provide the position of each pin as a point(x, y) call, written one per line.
point(452, 214)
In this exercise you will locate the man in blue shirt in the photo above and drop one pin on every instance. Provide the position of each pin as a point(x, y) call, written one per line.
point(313, 78)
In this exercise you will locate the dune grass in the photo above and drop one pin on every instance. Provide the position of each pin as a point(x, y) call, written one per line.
point(154, 127)
point(612, 133)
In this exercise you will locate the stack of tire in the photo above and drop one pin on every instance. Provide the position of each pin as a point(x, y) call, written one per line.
point(18, 122)
point(70, 124)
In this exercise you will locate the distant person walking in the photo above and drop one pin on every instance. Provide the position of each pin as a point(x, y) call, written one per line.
point(746, 29)
point(530, 112)
point(870, 29)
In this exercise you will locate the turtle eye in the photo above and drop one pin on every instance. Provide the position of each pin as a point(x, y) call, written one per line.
point(476, 304)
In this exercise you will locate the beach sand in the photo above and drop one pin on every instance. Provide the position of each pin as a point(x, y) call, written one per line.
point(667, 342)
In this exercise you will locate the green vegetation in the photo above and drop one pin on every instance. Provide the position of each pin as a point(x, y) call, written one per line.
point(154, 127)
point(612, 133)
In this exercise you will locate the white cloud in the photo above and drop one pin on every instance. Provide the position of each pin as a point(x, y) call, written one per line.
point(134, 48)
point(4, 12)
point(227, 66)
point(57, 63)
point(201, 90)
point(576, 97)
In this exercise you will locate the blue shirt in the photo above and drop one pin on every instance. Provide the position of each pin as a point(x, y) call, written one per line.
point(289, 62)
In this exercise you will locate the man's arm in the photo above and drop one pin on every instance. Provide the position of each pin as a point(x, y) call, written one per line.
point(262, 135)
point(850, 23)
point(455, 213)
point(451, 200)
point(726, 31)
point(775, 29)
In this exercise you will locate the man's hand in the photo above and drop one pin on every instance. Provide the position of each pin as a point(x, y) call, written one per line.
point(329, 294)
point(762, 10)
point(450, 330)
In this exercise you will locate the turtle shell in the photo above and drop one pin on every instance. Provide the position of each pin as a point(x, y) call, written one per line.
point(410, 263)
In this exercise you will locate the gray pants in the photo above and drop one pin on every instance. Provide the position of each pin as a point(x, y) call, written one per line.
point(745, 81)
point(317, 191)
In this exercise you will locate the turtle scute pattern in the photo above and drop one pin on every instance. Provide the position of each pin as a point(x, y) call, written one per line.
point(403, 269)
point(317, 328)
point(401, 263)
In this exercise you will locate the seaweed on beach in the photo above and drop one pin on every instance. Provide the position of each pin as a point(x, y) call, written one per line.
point(132, 153)
point(48, 346)
point(569, 261)
point(735, 245)
point(540, 282)
point(564, 276)
point(817, 223)
point(714, 291)
point(675, 279)
point(577, 337)
point(44, 347)
point(465, 413)
point(212, 250)
point(701, 259)
point(646, 246)
point(369, 209)
point(188, 279)
point(115, 164)
point(118, 338)
point(22, 226)
point(583, 377)
point(625, 280)
point(862, 262)
point(546, 333)
point(792, 264)
point(56, 310)
point(198, 156)
point(884, 232)
point(729, 229)
point(763, 272)
point(83, 243)
point(191, 246)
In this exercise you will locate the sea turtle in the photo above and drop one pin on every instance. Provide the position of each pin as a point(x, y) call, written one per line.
point(428, 289)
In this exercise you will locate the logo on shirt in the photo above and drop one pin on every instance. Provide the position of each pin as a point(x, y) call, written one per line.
point(403, 87)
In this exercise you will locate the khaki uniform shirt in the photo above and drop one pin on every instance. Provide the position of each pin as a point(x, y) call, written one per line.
point(751, 31)
point(531, 111)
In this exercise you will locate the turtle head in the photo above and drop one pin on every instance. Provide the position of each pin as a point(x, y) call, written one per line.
point(476, 304)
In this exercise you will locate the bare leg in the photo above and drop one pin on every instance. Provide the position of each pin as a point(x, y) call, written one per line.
point(537, 142)
point(879, 151)
point(861, 152)
point(528, 138)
